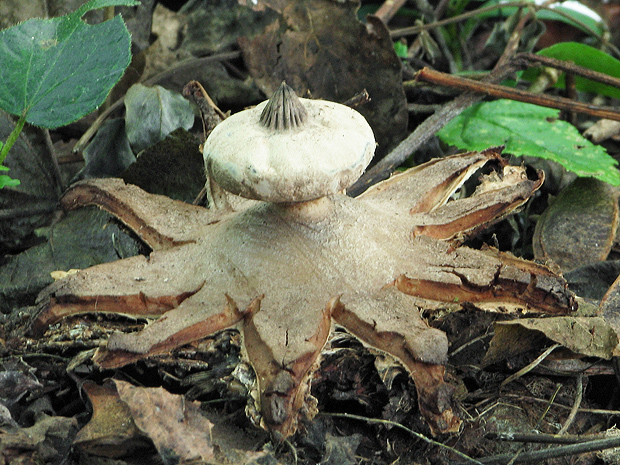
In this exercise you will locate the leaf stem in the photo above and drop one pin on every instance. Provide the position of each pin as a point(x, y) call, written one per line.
point(12, 138)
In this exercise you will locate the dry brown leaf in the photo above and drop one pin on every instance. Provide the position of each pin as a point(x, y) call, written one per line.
point(588, 336)
point(47, 441)
point(176, 426)
point(111, 431)
point(609, 308)
point(320, 48)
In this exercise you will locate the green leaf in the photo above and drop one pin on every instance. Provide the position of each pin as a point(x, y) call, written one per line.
point(574, 18)
point(588, 57)
point(6, 180)
point(57, 70)
point(154, 112)
point(527, 129)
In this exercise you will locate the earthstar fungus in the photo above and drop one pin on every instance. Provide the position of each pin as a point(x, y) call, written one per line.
point(301, 254)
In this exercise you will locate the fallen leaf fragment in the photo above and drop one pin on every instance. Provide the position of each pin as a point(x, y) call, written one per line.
point(587, 336)
point(319, 47)
point(48, 441)
point(579, 227)
point(602, 130)
point(609, 308)
point(17, 379)
point(177, 427)
point(111, 431)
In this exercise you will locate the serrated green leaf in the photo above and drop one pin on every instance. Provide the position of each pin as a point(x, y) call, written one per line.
point(57, 70)
point(527, 129)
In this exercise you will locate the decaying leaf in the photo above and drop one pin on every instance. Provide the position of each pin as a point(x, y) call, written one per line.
point(610, 308)
point(109, 153)
point(47, 441)
point(153, 113)
point(176, 426)
point(179, 158)
point(587, 336)
point(38, 190)
point(579, 227)
point(111, 431)
point(320, 48)
point(126, 418)
point(17, 379)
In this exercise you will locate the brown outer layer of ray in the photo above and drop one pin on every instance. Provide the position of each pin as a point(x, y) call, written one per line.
point(228, 317)
point(131, 205)
point(104, 289)
point(434, 394)
point(137, 304)
point(538, 298)
point(282, 422)
point(484, 216)
point(442, 181)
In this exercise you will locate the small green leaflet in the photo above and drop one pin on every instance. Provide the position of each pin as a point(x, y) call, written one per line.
point(57, 70)
point(400, 49)
point(527, 129)
point(6, 180)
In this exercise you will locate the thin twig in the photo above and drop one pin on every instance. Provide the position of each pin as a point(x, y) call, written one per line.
point(53, 161)
point(518, 453)
point(41, 208)
point(471, 342)
point(529, 367)
point(397, 33)
point(542, 438)
point(548, 406)
point(576, 404)
point(523, 60)
point(499, 91)
point(593, 411)
point(552, 452)
point(388, 9)
point(195, 90)
point(421, 108)
point(80, 145)
point(404, 428)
